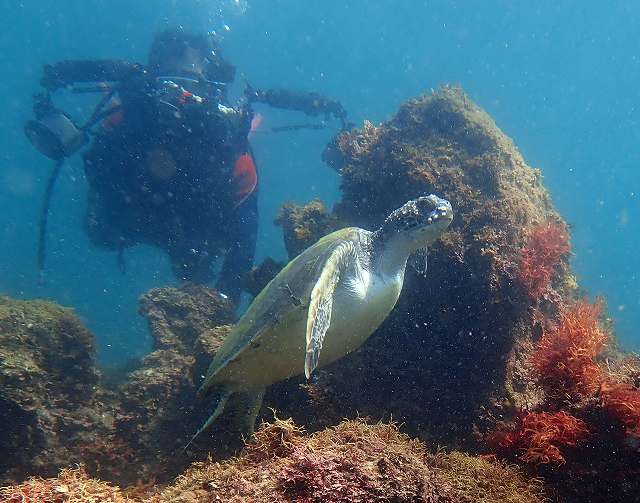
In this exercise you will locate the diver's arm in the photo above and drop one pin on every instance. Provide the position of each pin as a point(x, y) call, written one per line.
point(242, 248)
point(69, 72)
point(308, 102)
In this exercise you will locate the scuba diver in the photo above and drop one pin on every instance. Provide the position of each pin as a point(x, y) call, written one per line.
point(169, 162)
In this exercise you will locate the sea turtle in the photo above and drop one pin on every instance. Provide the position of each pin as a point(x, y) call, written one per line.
point(324, 304)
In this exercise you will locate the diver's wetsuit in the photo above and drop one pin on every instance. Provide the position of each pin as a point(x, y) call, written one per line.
point(164, 175)
point(176, 172)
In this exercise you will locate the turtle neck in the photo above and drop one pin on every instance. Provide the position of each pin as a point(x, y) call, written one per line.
point(389, 254)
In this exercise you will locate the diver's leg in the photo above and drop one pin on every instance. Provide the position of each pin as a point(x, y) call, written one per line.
point(99, 224)
point(191, 264)
point(242, 235)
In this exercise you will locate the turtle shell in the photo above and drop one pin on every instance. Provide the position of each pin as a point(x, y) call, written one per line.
point(284, 298)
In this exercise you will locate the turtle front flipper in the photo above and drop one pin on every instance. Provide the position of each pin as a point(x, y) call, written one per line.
point(321, 304)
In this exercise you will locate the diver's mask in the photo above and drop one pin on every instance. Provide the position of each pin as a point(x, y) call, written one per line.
point(53, 133)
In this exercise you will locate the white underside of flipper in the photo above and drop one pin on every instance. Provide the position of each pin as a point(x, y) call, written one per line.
point(361, 304)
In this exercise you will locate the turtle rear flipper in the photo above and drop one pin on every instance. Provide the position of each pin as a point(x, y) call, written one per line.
point(224, 396)
point(241, 407)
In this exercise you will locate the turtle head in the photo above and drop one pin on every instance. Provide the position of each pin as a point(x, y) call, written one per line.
point(417, 223)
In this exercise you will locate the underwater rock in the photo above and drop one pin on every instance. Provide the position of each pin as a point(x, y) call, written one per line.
point(260, 275)
point(304, 225)
point(446, 345)
point(484, 479)
point(158, 400)
point(56, 412)
point(52, 411)
point(352, 462)
point(71, 485)
point(177, 316)
point(205, 348)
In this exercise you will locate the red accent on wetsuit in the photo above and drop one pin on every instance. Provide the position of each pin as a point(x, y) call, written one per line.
point(245, 178)
point(112, 120)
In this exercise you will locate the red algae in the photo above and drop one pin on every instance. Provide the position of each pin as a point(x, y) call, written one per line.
point(546, 246)
point(565, 356)
point(582, 435)
point(622, 402)
point(325, 477)
point(71, 486)
point(539, 436)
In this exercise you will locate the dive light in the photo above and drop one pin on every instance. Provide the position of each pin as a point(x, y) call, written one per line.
point(52, 131)
point(55, 135)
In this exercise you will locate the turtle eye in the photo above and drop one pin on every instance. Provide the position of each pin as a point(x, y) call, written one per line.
point(426, 206)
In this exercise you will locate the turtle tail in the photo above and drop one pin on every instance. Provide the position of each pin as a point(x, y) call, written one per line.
point(241, 407)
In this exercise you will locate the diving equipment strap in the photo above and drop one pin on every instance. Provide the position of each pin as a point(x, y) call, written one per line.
point(44, 217)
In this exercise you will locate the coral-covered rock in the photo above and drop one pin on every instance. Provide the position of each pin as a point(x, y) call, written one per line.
point(445, 346)
point(52, 411)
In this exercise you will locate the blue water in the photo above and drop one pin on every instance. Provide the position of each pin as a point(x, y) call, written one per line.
point(560, 78)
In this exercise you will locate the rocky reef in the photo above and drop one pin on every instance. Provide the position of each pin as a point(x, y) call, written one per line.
point(134, 438)
point(351, 462)
point(57, 412)
point(303, 225)
point(495, 351)
point(52, 411)
point(158, 400)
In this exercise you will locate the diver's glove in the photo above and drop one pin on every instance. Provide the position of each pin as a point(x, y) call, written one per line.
point(50, 79)
point(335, 108)
point(251, 93)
